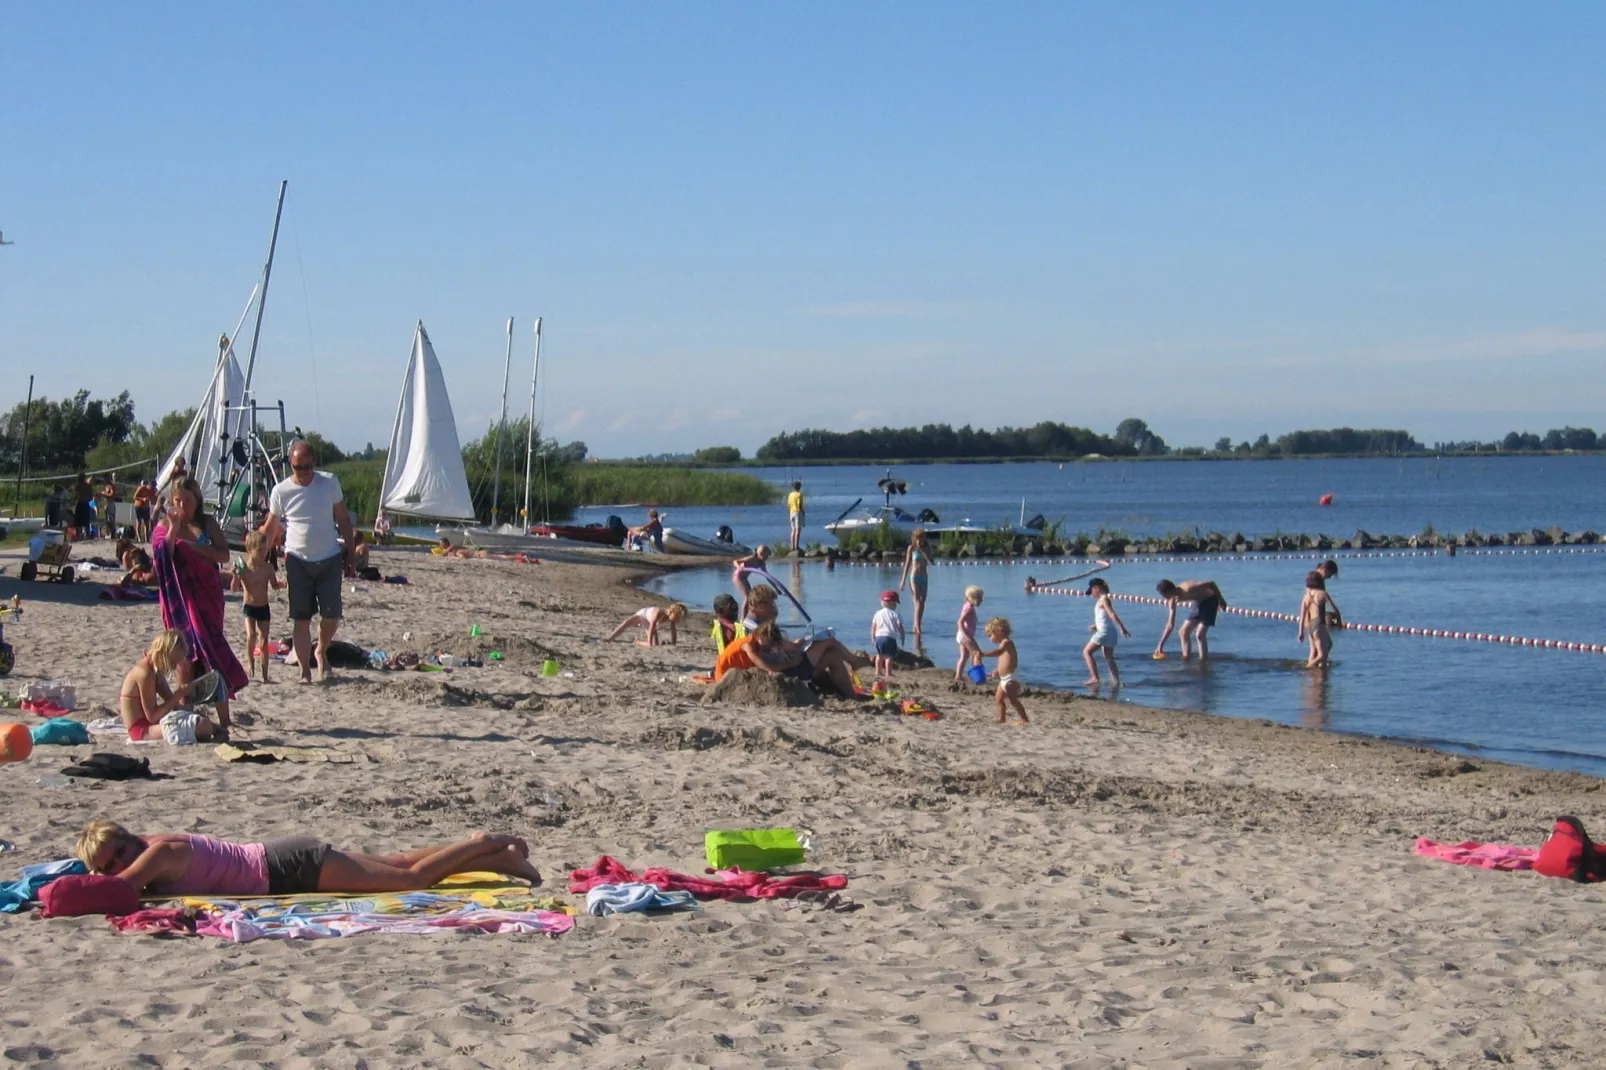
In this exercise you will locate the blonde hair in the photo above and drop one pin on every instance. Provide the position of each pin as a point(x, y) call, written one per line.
point(676, 611)
point(762, 553)
point(255, 542)
point(763, 594)
point(973, 594)
point(998, 626)
point(167, 649)
point(768, 634)
point(96, 835)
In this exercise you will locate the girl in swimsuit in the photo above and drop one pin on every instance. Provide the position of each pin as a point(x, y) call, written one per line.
point(649, 617)
point(915, 562)
point(1314, 612)
point(146, 698)
point(200, 865)
point(740, 574)
point(965, 634)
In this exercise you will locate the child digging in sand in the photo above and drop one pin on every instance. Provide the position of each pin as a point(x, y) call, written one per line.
point(1105, 621)
point(965, 634)
point(650, 617)
point(1008, 693)
point(256, 576)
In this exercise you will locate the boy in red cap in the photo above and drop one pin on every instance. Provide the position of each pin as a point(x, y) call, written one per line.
point(886, 632)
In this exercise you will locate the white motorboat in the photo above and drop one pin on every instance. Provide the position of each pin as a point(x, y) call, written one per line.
point(688, 545)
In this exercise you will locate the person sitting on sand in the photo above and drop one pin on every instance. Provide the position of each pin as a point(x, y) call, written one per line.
point(1199, 601)
point(823, 660)
point(146, 697)
point(136, 564)
point(649, 617)
point(727, 621)
point(184, 864)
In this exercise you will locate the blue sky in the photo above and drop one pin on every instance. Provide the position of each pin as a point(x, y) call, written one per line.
point(738, 219)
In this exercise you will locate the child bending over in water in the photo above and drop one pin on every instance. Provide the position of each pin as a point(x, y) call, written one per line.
point(1316, 611)
point(1009, 689)
point(965, 633)
point(649, 618)
point(146, 697)
point(255, 576)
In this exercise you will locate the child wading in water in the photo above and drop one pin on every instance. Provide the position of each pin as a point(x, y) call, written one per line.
point(965, 634)
point(649, 618)
point(998, 631)
point(256, 576)
point(1316, 611)
point(886, 632)
point(1105, 621)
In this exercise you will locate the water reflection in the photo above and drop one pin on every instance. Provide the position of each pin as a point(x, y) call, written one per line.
point(1315, 696)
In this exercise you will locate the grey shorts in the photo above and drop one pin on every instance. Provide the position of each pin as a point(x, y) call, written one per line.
point(314, 586)
point(294, 864)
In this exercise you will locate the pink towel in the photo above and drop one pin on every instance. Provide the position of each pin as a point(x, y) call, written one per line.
point(192, 601)
point(1502, 856)
point(725, 884)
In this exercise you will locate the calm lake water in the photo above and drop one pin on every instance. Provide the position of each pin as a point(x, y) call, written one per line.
point(1531, 706)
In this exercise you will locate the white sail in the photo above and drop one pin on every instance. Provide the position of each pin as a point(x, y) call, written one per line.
point(424, 469)
point(203, 446)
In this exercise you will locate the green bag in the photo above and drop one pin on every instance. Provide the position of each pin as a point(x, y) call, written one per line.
point(754, 850)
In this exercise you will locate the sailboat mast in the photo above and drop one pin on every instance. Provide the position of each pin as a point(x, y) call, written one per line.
point(267, 274)
point(501, 422)
point(529, 434)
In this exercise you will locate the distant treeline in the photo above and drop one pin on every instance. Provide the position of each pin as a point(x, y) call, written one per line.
point(1046, 439)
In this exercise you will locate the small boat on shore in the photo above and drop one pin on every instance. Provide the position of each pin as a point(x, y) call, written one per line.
point(25, 524)
point(610, 534)
point(688, 545)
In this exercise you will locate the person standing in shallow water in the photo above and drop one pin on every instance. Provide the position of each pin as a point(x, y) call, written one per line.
point(1197, 602)
point(794, 511)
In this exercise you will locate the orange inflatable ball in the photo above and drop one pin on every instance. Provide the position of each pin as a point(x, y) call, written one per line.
point(16, 743)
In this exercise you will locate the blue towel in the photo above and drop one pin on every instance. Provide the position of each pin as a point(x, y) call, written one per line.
point(63, 730)
point(633, 898)
point(20, 895)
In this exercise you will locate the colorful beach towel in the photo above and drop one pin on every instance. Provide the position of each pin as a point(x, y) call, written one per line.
point(191, 593)
point(723, 884)
point(1501, 856)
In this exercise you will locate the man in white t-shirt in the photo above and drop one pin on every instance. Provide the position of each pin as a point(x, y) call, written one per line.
point(312, 509)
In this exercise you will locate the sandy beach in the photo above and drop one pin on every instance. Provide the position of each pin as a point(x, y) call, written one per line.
point(1111, 886)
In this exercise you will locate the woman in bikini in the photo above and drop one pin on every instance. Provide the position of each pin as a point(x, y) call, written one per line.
point(183, 864)
point(916, 560)
point(146, 697)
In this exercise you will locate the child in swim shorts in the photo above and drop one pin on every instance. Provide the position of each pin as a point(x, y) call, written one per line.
point(255, 576)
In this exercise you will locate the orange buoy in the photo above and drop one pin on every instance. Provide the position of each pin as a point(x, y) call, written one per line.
point(1325, 499)
point(16, 743)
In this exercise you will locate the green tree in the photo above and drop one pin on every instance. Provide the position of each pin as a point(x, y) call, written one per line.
point(718, 455)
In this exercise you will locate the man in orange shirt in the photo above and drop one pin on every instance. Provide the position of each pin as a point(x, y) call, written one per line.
point(144, 495)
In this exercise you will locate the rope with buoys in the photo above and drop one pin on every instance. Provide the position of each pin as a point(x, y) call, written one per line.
point(1257, 555)
point(1382, 629)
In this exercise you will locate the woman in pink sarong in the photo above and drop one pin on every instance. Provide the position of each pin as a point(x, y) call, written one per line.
point(188, 547)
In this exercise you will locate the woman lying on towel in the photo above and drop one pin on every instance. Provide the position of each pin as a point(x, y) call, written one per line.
point(183, 864)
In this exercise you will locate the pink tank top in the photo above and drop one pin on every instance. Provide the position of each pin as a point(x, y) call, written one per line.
point(219, 867)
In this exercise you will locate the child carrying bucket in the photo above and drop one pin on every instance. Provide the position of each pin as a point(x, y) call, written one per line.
point(965, 636)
